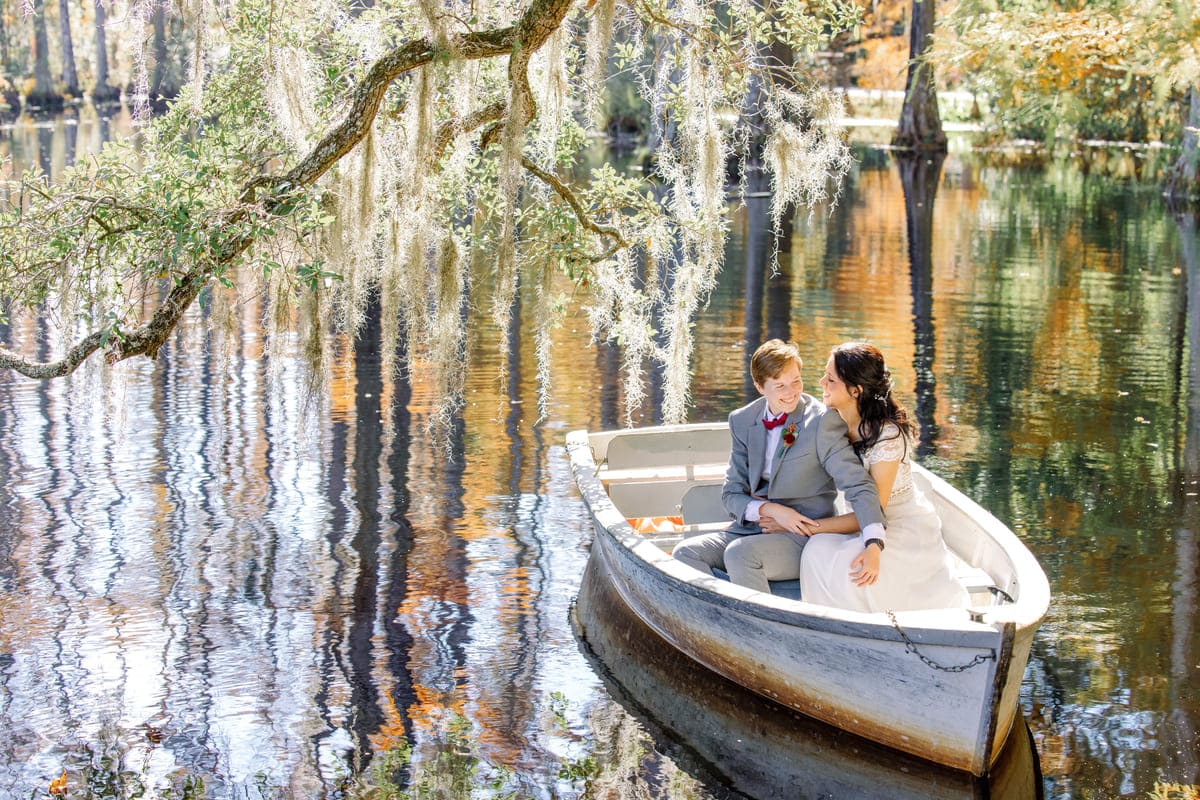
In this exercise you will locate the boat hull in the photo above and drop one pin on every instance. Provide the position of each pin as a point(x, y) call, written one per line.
point(740, 739)
point(849, 676)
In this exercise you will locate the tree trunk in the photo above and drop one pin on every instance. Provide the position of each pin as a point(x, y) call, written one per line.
point(1184, 185)
point(919, 175)
point(70, 78)
point(43, 95)
point(768, 278)
point(102, 92)
point(160, 88)
point(10, 101)
point(4, 52)
point(920, 126)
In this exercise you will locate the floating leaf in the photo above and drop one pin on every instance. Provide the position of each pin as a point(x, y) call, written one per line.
point(58, 786)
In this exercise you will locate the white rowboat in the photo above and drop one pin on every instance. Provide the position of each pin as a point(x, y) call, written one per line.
point(940, 684)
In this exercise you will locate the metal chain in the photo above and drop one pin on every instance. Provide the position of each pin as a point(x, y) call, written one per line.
point(911, 647)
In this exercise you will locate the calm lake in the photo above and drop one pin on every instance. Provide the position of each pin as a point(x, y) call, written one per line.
point(215, 583)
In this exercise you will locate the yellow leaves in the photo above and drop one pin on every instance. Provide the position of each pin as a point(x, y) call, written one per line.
point(1175, 791)
point(58, 786)
point(1068, 46)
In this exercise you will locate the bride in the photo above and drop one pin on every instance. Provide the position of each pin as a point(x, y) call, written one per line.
point(911, 569)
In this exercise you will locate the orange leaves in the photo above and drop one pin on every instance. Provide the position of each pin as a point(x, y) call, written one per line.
point(58, 786)
point(656, 524)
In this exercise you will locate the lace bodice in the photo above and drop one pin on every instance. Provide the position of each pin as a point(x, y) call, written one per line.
point(892, 446)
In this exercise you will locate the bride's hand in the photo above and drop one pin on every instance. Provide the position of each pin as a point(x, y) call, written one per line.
point(864, 570)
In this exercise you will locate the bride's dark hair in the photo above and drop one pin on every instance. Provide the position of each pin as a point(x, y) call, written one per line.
point(860, 366)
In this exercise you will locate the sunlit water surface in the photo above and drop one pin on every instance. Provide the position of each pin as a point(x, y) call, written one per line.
point(216, 583)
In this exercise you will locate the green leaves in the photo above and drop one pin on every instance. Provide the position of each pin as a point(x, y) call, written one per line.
point(139, 214)
point(111, 329)
point(806, 26)
point(314, 275)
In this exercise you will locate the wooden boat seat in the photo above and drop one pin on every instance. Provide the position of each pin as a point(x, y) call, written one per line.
point(980, 586)
point(662, 491)
point(789, 589)
point(664, 472)
point(642, 449)
point(702, 503)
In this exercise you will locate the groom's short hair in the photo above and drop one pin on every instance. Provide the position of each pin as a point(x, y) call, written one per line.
point(773, 357)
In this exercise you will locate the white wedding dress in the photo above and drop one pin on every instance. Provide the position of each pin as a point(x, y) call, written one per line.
point(914, 568)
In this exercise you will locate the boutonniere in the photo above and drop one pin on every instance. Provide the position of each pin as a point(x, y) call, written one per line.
point(786, 440)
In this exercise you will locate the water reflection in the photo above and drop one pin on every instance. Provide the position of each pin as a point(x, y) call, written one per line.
point(209, 572)
point(1052, 312)
point(53, 143)
point(919, 176)
point(767, 271)
point(1183, 723)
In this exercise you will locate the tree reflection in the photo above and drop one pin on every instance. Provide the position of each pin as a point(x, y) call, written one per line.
point(367, 615)
point(1065, 369)
point(767, 278)
point(1183, 728)
point(920, 174)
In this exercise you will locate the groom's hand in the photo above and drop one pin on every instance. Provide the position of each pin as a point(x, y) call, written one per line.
point(769, 525)
point(778, 518)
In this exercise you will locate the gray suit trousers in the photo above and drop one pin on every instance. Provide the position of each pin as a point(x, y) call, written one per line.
point(750, 560)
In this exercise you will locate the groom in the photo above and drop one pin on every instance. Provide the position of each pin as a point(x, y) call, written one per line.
point(790, 457)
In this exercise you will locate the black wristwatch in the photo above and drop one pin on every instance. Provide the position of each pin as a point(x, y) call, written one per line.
point(874, 541)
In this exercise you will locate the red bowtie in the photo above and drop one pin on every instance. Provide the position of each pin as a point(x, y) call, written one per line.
point(774, 423)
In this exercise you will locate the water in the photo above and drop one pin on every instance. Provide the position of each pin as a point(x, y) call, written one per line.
point(213, 583)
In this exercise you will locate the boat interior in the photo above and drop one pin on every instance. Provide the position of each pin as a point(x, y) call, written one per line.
point(667, 483)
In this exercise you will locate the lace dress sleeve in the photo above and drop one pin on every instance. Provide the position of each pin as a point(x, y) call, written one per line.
point(890, 447)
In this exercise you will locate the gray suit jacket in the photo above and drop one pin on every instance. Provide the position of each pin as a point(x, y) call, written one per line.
point(810, 472)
